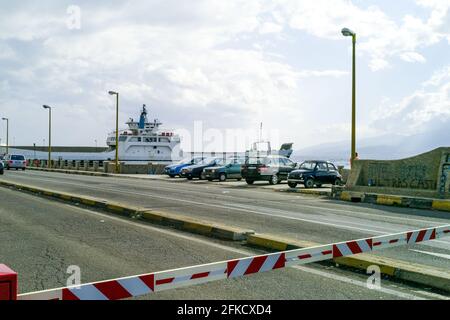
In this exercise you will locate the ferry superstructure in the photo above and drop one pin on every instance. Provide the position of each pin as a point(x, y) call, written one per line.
point(145, 141)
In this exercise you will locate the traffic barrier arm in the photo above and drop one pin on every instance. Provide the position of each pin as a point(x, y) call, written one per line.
point(133, 286)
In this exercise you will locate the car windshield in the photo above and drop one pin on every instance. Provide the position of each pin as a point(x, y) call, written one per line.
point(307, 165)
point(186, 161)
point(206, 161)
point(16, 157)
point(235, 161)
point(222, 162)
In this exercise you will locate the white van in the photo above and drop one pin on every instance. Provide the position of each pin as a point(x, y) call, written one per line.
point(16, 161)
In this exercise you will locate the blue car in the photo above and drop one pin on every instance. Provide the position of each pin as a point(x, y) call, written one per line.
point(173, 170)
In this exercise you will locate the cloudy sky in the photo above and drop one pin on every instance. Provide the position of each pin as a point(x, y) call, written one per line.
point(228, 63)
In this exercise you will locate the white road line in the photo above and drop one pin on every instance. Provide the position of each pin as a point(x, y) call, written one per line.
point(440, 255)
point(401, 219)
point(230, 207)
point(432, 295)
point(361, 283)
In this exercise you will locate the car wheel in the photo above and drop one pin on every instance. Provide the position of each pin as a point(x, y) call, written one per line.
point(209, 179)
point(172, 175)
point(292, 184)
point(249, 181)
point(319, 185)
point(274, 179)
point(309, 183)
point(189, 178)
point(23, 169)
point(239, 179)
point(222, 177)
point(337, 182)
point(17, 169)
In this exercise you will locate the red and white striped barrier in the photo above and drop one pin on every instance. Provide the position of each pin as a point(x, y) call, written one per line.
point(308, 255)
point(190, 276)
point(153, 282)
point(349, 248)
point(246, 266)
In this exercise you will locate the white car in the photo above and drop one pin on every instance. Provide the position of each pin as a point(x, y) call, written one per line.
point(15, 161)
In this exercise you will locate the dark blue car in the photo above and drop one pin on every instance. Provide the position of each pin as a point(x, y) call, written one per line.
point(173, 170)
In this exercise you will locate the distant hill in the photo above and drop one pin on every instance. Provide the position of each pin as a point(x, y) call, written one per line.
point(385, 147)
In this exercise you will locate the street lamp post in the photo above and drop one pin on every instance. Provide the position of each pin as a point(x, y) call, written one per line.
point(7, 134)
point(349, 33)
point(49, 135)
point(117, 128)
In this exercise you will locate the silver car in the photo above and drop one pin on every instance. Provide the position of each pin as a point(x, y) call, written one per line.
point(15, 161)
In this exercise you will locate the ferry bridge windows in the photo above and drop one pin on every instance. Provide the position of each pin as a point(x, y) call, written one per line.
point(122, 138)
point(135, 139)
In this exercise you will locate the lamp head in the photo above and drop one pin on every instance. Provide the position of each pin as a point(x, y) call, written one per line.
point(347, 32)
point(4, 118)
point(112, 92)
point(46, 107)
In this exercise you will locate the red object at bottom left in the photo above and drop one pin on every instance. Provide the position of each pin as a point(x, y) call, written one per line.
point(8, 283)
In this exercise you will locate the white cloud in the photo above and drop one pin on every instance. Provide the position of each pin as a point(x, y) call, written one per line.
point(378, 64)
point(419, 112)
point(270, 27)
point(322, 73)
point(6, 52)
point(378, 36)
point(412, 57)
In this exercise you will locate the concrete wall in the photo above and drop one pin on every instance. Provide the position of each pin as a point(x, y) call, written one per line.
point(426, 175)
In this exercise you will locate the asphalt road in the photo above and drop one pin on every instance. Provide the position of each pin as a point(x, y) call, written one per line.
point(41, 238)
point(256, 207)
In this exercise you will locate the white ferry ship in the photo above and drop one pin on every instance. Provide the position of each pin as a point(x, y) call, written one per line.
point(145, 141)
point(142, 141)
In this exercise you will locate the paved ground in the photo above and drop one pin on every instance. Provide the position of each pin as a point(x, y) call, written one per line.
point(261, 209)
point(41, 238)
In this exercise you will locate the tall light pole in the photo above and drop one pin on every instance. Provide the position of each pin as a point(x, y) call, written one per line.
point(49, 134)
point(117, 128)
point(7, 134)
point(349, 33)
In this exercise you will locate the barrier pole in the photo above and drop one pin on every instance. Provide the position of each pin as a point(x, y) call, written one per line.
point(8, 283)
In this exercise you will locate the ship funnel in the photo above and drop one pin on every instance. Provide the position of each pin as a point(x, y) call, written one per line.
point(143, 118)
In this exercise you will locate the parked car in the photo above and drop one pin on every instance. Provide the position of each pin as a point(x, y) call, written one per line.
point(173, 170)
point(230, 170)
point(272, 168)
point(196, 171)
point(1, 167)
point(15, 161)
point(312, 173)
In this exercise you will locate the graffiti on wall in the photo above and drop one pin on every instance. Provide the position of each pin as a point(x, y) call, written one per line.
point(444, 177)
point(413, 176)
